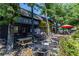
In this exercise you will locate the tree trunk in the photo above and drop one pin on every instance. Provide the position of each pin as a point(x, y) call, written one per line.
point(48, 27)
point(56, 27)
point(10, 38)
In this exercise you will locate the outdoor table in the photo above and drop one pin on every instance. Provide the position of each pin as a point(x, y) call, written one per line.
point(23, 42)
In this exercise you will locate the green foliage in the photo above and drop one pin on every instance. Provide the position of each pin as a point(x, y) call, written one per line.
point(69, 45)
point(8, 12)
point(73, 22)
point(68, 12)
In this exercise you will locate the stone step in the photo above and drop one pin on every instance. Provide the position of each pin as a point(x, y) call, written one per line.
point(2, 40)
point(53, 46)
point(2, 46)
point(54, 38)
point(3, 43)
point(55, 54)
point(2, 50)
point(57, 49)
point(54, 41)
point(54, 51)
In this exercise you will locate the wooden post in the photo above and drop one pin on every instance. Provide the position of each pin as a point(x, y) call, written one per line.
point(32, 20)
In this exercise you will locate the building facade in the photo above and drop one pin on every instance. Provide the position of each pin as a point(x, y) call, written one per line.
point(22, 26)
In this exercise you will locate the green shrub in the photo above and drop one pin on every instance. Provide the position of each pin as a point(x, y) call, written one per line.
point(69, 45)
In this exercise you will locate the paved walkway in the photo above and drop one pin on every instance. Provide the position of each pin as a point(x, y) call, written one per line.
point(54, 45)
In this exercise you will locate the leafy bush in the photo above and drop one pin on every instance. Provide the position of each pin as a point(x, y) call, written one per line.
point(69, 45)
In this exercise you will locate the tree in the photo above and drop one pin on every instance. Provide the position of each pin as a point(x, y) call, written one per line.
point(45, 10)
point(9, 13)
point(52, 12)
point(63, 13)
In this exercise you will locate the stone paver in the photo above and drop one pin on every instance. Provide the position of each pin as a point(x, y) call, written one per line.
point(54, 46)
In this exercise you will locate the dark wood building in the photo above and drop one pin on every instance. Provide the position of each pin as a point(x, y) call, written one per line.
point(22, 26)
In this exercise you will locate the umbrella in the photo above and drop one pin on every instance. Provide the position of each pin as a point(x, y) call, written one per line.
point(67, 26)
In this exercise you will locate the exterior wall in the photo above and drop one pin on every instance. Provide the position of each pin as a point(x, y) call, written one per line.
point(3, 32)
point(24, 23)
point(21, 30)
point(24, 20)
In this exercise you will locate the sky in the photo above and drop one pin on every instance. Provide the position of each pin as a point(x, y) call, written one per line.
point(26, 7)
point(36, 9)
